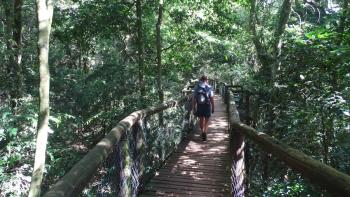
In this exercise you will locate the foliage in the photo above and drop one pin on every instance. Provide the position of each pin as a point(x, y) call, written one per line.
point(311, 111)
point(17, 144)
point(94, 79)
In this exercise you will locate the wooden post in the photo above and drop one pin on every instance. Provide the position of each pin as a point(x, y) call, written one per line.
point(138, 156)
point(237, 145)
point(125, 168)
point(226, 94)
point(337, 183)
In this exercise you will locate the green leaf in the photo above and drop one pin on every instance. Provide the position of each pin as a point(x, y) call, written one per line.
point(13, 132)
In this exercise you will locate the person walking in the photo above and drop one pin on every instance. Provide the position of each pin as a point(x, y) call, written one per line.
point(203, 104)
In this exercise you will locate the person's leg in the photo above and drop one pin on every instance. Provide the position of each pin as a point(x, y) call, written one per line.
point(207, 116)
point(202, 113)
point(206, 123)
point(202, 123)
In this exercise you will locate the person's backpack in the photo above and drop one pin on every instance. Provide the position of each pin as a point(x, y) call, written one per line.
point(202, 96)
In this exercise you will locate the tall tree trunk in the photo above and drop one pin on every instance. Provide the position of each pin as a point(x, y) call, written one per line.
point(343, 19)
point(265, 170)
point(264, 58)
point(140, 49)
point(284, 14)
point(270, 60)
point(344, 16)
point(159, 59)
point(13, 34)
point(324, 139)
point(17, 37)
point(9, 55)
point(44, 14)
point(8, 11)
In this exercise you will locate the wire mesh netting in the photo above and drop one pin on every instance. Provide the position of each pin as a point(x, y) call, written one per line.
point(263, 174)
point(142, 150)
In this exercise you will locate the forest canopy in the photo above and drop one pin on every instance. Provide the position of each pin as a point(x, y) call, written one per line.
point(72, 69)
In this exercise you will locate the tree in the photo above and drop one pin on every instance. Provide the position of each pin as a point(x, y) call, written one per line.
point(159, 58)
point(343, 18)
point(140, 45)
point(44, 15)
point(270, 60)
point(113, 57)
point(13, 35)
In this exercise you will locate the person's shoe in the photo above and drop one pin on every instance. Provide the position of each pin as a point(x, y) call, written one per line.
point(204, 136)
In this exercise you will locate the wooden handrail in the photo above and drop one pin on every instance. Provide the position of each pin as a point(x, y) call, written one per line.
point(336, 182)
point(77, 178)
point(238, 146)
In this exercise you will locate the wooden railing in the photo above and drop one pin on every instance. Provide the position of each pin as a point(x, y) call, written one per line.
point(78, 178)
point(337, 183)
point(81, 173)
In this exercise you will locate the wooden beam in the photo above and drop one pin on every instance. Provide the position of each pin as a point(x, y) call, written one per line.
point(337, 183)
point(78, 177)
point(237, 146)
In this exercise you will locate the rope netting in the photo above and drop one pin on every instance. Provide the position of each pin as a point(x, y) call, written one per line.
point(142, 150)
point(265, 173)
point(235, 106)
point(255, 171)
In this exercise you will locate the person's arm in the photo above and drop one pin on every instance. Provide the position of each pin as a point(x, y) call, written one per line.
point(211, 96)
point(212, 104)
point(193, 104)
point(194, 100)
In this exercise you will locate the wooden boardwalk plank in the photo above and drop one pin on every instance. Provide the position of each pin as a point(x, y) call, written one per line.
point(197, 168)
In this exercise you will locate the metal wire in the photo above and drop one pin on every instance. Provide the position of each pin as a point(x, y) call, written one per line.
point(140, 152)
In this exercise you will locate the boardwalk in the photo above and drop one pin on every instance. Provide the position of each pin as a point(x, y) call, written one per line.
point(197, 168)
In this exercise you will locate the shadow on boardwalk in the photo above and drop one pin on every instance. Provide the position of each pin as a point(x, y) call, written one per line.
point(197, 168)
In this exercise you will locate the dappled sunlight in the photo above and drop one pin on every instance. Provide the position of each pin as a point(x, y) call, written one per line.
point(198, 168)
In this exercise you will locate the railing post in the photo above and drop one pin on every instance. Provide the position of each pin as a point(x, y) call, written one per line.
point(226, 94)
point(131, 161)
point(237, 145)
point(125, 167)
point(223, 94)
point(188, 117)
point(138, 167)
point(215, 86)
point(227, 98)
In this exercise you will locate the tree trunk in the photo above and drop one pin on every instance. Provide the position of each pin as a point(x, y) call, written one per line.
point(44, 14)
point(284, 14)
point(344, 17)
point(13, 34)
point(343, 20)
point(159, 59)
point(140, 49)
point(264, 58)
point(9, 55)
point(270, 60)
point(265, 170)
point(8, 11)
point(325, 143)
point(17, 37)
